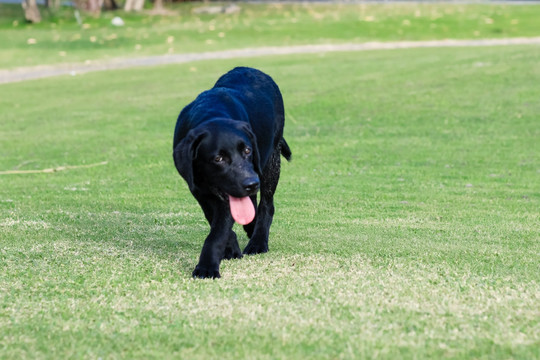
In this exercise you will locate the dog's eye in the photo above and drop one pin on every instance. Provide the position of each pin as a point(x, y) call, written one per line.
point(247, 151)
point(218, 159)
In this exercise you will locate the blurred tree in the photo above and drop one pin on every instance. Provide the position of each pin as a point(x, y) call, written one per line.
point(31, 11)
point(110, 5)
point(55, 4)
point(93, 6)
point(134, 5)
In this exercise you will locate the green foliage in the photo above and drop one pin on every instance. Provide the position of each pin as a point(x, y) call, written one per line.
point(59, 38)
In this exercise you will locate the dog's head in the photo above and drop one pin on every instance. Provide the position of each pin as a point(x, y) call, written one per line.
point(222, 156)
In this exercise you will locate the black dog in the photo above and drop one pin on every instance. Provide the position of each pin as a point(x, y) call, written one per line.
point(227, 145)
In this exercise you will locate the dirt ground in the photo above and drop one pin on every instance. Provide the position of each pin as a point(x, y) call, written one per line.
point(37, 72)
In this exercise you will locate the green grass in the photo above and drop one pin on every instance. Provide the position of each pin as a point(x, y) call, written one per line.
point(59, 39)
point(407, 225)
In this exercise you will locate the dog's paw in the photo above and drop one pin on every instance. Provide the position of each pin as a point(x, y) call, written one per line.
point(202, 272)
point(253, 248)
point(231, 253)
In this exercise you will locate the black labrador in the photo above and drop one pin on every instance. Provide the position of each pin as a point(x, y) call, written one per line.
point(227, 147)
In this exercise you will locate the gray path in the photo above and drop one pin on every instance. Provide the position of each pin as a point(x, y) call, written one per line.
point(37, 72)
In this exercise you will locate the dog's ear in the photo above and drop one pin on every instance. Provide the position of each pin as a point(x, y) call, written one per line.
point(185, 152)
point(253, 139)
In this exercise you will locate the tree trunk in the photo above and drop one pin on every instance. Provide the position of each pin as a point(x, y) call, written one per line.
point(128, 5)
point(139, 4)
point(93, 6)
point(135, 5)
point(158, 5)
point(110, 5)
point(31, 11)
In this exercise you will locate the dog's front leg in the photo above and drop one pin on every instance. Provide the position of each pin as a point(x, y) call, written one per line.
point(215, 243)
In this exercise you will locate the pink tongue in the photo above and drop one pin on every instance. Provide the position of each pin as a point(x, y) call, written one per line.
point(242, 209)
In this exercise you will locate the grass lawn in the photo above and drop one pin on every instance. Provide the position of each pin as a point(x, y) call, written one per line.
point(407, 225)
point(59, 39)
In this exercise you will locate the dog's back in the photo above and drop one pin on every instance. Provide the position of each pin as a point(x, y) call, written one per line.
point(243, 94)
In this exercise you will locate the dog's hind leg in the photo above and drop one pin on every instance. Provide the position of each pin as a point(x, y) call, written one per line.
point(232, 249)
point(251, 226)
point(258, 242)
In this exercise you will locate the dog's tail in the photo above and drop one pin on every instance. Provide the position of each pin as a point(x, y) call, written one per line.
point(285, 149)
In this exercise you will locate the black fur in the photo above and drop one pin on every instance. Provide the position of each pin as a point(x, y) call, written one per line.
point(244, 110)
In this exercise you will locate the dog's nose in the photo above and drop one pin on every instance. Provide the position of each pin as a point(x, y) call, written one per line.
point(251, 184)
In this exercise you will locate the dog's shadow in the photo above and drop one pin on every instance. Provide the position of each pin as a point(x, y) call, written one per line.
point(173, 238)
point(167, 238)
point(182, 251)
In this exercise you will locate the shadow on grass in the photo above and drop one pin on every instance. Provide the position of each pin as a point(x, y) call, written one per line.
point(170, 238)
